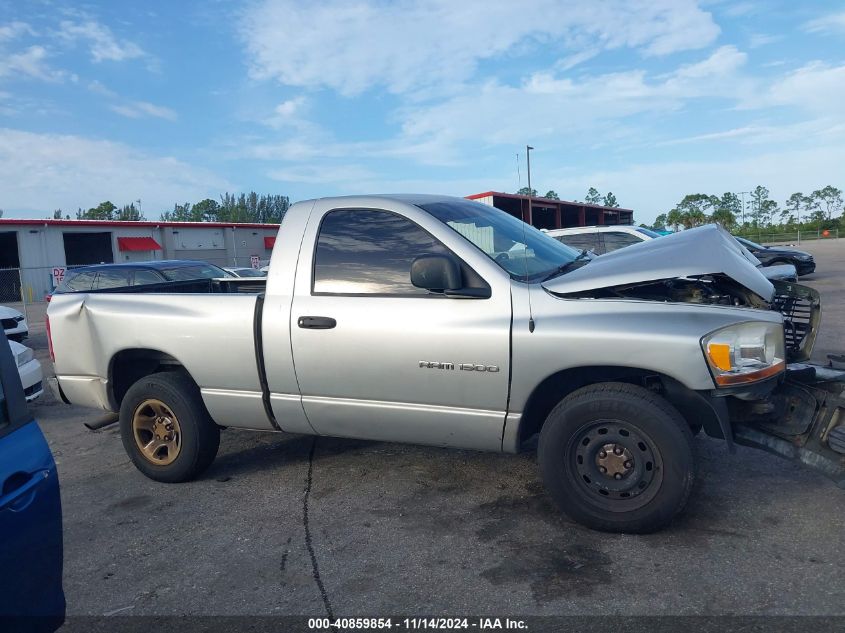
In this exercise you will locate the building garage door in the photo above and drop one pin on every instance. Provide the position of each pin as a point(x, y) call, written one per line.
point(88, 248)
point(10, 281)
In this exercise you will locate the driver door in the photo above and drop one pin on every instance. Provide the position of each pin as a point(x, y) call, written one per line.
point(378, 358)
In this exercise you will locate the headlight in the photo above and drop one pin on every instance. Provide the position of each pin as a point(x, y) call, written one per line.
point(744, 353)
point(25, 356)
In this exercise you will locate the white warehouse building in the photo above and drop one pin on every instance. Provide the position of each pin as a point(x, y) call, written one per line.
point(37, 247)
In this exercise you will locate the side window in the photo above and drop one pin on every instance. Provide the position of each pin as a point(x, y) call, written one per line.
point(144, 276)
point(364, 251)
point(581, 241)
point(81, 282)
point(112, 279)
point(614, 240)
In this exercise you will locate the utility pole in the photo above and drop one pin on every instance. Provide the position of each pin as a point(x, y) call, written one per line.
point(528, 149)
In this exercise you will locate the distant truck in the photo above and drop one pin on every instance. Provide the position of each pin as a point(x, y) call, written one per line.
point(442, 321)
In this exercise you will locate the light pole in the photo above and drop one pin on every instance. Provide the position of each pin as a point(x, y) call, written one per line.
point(528, 149)
point(742, 193)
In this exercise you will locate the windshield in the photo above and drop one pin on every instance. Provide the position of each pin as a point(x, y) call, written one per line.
point(524, 252)
point(746, 242)
point(196, 271)
point(649, 232)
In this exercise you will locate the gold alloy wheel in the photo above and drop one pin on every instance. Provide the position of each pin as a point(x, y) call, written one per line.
point(157, 432)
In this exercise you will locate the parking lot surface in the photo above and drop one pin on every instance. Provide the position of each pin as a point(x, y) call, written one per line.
point(284, 524)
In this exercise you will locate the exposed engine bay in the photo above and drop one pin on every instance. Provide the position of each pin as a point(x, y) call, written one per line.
point(799, 305)
point(705, 289)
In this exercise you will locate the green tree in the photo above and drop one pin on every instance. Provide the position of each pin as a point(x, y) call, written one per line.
point(694, 209)
point(525, 191)
point(758, 201)
point(551, 194)
point(793, 205)
point(660, 222)
point(103, 211)
point(128, 213)
point(610, 200)
point(593, 196)
point(768, 212)
point(829, 200)
point(675, 218)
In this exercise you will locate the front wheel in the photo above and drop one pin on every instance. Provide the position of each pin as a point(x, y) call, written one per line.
point(617, 458)
point(166, 429)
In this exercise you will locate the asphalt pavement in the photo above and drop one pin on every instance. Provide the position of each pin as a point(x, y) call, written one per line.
point(284, 524)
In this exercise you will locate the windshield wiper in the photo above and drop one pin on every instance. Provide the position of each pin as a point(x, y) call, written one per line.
point(565, 267)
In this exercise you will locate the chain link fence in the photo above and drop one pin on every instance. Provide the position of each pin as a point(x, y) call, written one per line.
point(793, 237)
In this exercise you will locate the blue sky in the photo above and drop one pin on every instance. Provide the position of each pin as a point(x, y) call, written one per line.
point(652, 99)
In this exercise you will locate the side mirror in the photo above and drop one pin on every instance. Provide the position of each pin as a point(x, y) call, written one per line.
point(436, 272)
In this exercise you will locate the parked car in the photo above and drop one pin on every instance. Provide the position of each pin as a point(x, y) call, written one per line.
point(14, 324)
point(774, 255)
point(100, 276)
point(29, 370)
point(606, 239)
point(443, 321)
point(243, 271)
point(31, 595)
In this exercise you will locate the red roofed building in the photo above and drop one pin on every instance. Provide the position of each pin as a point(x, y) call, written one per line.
point(546, 213)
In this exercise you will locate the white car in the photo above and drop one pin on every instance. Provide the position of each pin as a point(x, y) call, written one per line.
point(606, 239)
point(243, 271)
point(29, 369)
point(14, 324)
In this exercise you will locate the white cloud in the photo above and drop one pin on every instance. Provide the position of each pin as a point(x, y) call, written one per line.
point(565, 111)
point(14, 30)
point(141, 109)
point(817, 87)
point(42, 172)
point(104, 46)
point(832, 23)
point(31, 62)
point(410, 46)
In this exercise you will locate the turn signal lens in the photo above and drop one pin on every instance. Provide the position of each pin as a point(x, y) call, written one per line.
point(720, 355)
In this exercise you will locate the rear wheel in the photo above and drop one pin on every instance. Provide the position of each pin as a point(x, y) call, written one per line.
point(618, 458)
point(165, 428)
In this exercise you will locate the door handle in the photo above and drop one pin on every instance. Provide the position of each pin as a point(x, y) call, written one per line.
point(21, 489)
point(316, 322)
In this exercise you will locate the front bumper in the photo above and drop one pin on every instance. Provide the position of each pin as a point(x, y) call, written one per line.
point(803, 419)
point(805, 268)
point(32, 379)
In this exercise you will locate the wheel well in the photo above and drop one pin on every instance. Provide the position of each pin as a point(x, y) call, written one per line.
point(559, 385)
point(130, 365)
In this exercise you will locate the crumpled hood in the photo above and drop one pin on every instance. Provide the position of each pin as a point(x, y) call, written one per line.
point(706, 250)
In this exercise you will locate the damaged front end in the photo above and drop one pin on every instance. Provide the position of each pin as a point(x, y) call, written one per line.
point(803, 420)
point(798, 414)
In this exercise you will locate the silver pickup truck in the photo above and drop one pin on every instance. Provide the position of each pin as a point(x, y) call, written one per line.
point(441, 321)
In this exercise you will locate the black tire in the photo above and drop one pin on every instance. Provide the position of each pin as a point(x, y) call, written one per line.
point(198, 436)
point(653, 472)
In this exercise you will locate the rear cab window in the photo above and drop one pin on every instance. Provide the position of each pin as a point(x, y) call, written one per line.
point(78, 282)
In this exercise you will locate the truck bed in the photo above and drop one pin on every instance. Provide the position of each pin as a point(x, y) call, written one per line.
point(207, 326)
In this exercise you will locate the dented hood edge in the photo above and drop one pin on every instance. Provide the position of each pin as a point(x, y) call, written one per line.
point(705, 250)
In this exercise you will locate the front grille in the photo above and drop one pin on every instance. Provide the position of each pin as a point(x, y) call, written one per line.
point(799, 306)
point(33, 389)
